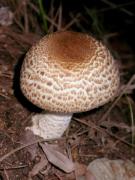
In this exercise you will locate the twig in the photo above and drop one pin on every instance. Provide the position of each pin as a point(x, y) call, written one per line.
point(35, 8)
point(6, 174)
point(51, 14)
point(7, 74)
point(51, 21)
point(26, 20)
point(45, 16)
point(71, 22)
point(132, 119)
point(114, 6)
point(14, 167)
point(60, 18)
point(4, 95)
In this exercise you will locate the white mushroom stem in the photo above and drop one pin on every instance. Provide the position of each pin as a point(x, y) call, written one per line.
point(50, 125)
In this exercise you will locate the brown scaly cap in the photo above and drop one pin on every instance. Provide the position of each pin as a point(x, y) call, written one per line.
point(69, 72)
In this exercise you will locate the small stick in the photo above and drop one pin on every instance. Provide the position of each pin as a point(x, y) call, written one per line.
point(14, 167)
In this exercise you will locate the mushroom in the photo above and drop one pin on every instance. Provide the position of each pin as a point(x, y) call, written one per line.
point(64, 73)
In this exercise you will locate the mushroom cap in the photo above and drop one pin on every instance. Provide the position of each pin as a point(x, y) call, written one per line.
point(69, 72)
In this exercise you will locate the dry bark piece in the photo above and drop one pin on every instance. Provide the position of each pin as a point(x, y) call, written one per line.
point(105, 169)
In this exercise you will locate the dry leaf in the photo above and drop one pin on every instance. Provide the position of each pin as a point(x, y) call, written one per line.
point(58, 159)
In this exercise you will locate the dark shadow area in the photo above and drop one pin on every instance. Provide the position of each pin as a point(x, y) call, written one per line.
point(1, 178)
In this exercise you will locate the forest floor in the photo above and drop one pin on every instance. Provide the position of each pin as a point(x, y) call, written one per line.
point(108, 131)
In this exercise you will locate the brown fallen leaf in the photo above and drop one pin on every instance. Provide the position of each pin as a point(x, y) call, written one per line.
point(57, 159)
